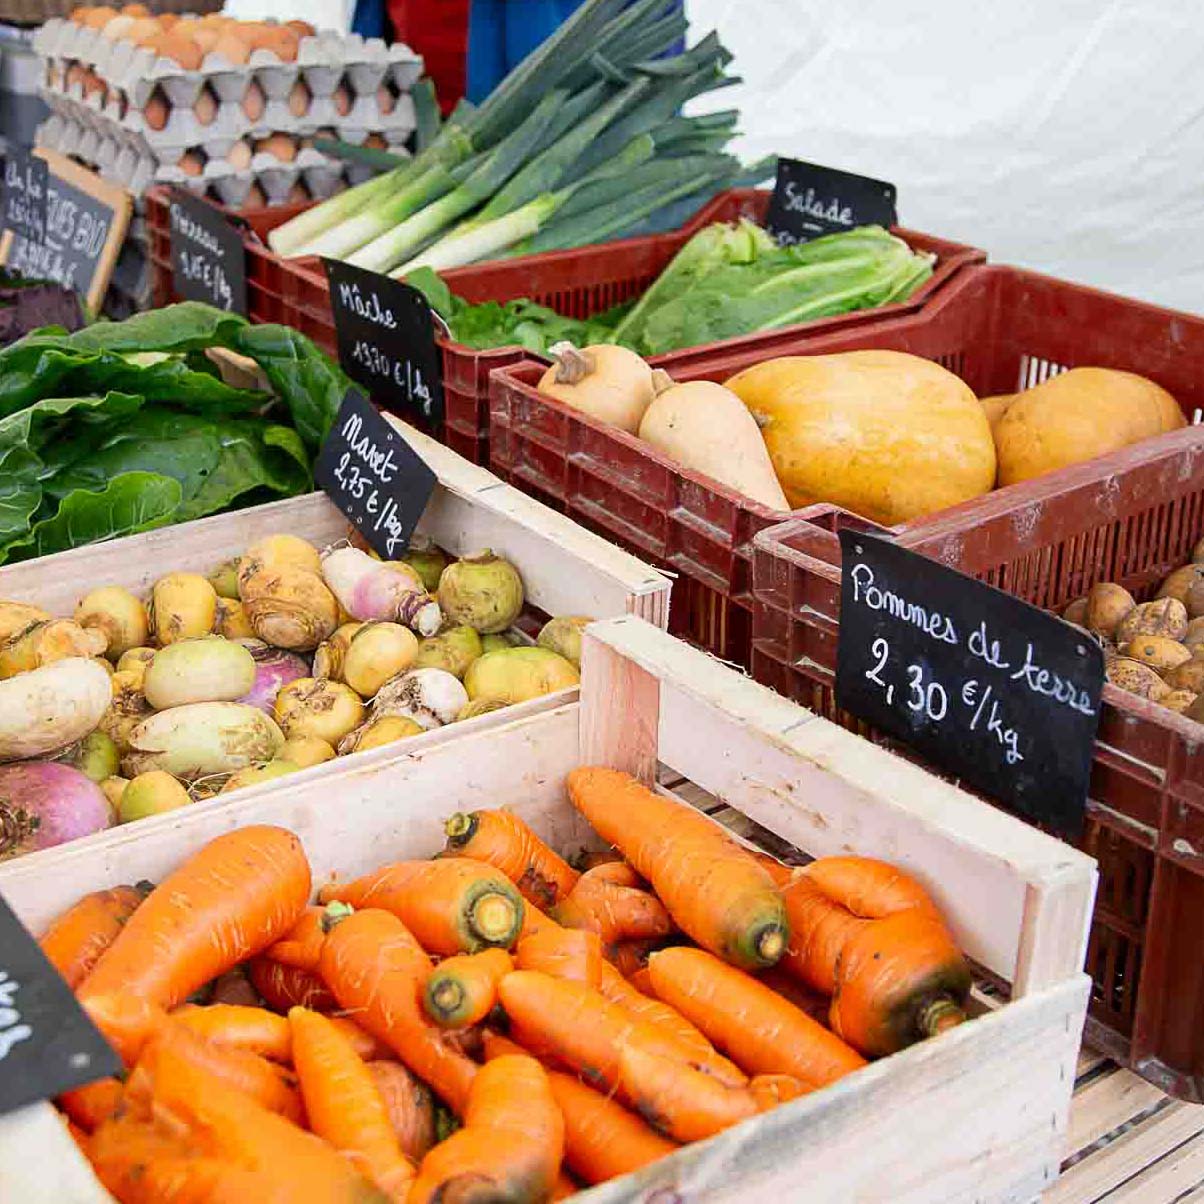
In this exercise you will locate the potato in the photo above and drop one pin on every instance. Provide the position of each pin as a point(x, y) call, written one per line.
point(1187, 676)
point(1107, 605)
point(1165, 616)
point(1076, 612)
point(1180, 581)
point(1179, 700)
point(1136, 678)
point(1193, 637)
point(1156, 651)
point(1194, 599)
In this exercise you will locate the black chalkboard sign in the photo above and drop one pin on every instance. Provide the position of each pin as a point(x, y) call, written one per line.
point(374, 476)
point(208, 259)
point(25, 185)
point(991, 689)
point(809, 201)
point(86, 220)
point(47, 1043)
point(386, 338)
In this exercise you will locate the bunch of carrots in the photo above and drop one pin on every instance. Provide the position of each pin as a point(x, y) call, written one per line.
point(575, 1023)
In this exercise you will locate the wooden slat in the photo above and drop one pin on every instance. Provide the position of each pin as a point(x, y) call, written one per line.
point(1105, 1105)
point(1173, 1176)
point(1128, 1155)
point(1089, 1060)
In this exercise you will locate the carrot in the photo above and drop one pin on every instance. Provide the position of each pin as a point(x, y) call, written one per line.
point(602, 1140)
point(569, 953)
point(642, 980)
point(254, 1029)
point(462, 990)
point(756, 1028)
point(301, 946)
point(794, 990)
point(563, 1188)
point(535, 921)
point(236, 896)
point(581, 1028)
point(376, 969)
point(772, 1090)
point(126, 1021)
point(714, 890)
point(453, 905)
point(866, 887)
point(630, 957)
point(237, 1130)
point(92, 1104)
point(614, 912)
point(75, 940)
point(343, 1104)
point(589, 859)
point(618, 872)
point(77, 1135)
point(282, 987)
point(270, 1086)
point(409, 1104)
point(819, 930)
point(505, 842)
point(510, 1146)
point(679, 1101)
point(901, 979)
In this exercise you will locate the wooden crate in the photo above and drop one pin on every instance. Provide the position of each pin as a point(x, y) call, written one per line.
point(979, 1113)
point(566, 570)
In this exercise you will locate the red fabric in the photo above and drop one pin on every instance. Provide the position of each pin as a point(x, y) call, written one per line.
point(437, 30)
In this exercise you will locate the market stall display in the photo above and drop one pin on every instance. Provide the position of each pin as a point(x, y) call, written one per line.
point(1012, 1062)
point(227, 653)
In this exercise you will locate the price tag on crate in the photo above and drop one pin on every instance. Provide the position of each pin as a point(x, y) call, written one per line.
point(208, 259)
point(374, 476)
point(26, 183)
point(809, 201)
point(47, 1043)
point(991, 689)
point(386, 338)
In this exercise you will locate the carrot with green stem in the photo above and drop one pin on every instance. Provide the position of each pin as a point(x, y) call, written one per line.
point(511, 1144)
point(227, 902)
point(301, 946)
point(462, 990)
point(282, 987)
point(76, 939)
point(754, 1026)
point(570, 953)
point(409, 1106)
point(452, 905)
point(508, 844)
point(343, 1105)
point(376, 970)
point(714, 889)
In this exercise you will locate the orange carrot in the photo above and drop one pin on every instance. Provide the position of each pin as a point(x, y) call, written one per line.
point(679, 1101)
point(535, 921)
point(77, 1135)
point(642, 980)
point(570, 953)
point(614, 912)
point(592, 858)
point(866, 887)
point(237, 1130)
point(505, 842)
point(250, 1028)
point(410, 1106)
point(602, 1140)
point(462, 990)
point(301, 946)
point(819, 929)
point(126, 1021)
point(91, 1105)
point(714, 890)
point(236, 896)
point(282, 987)
point(756, 1028)
point(376, 969)
point(510, 1146)
point(343, 1104)
point(75, 940)
point(772, 1090)
point(452, 905)
point(630, 957)
point(583, 1029)
point(618, 872)
point(563, 1189)
point(269, 1085)
point(794, 990)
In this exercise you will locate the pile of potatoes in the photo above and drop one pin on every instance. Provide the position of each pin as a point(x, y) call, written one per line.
point(1153, 649)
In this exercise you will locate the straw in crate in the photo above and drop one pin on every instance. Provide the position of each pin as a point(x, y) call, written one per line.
point(977, 1112)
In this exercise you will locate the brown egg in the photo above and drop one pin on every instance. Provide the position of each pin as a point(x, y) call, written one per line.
point(142, 29)
point(281, 146)
point(279, 41)
point(192, 163)
point(184, 52)
point(232, 48)
point(135, 10)
point(299, 99)
point(253, 102)
point(342, 100)
point(157, 110)
point(206, 37)
point(98, 18)
point(303, 29)
point(240, 156)
point(385, 100)
point(205, 107)
point(168, 20)
point(255, 198)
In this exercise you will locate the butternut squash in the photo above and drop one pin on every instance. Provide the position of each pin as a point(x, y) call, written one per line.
point(607, 382)
point(706, 428)
point(887, 435)
point(1078, 415)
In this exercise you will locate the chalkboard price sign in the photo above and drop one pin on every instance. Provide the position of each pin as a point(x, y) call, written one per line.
point(374, 476)
point(809, 201)
point(47, 1043)
point(208, 259)
point(26, 180)
point(386, 338)
point(991, 689)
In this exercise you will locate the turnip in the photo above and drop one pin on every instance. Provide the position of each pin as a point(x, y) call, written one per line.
point(483, 591)
point(274, 669)
point(208, 669)
point(151, 793)
point(201, 739)
point(374, 589)
point(317, 707)
point(45, 803)
point(290, 608)
point(118, 615)
point(430, 697)
point(183, 606)
point(377, 652)
point(49, 708)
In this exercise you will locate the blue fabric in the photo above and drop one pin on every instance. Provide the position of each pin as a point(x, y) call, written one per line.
point(370, 19)
point(501, 33)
